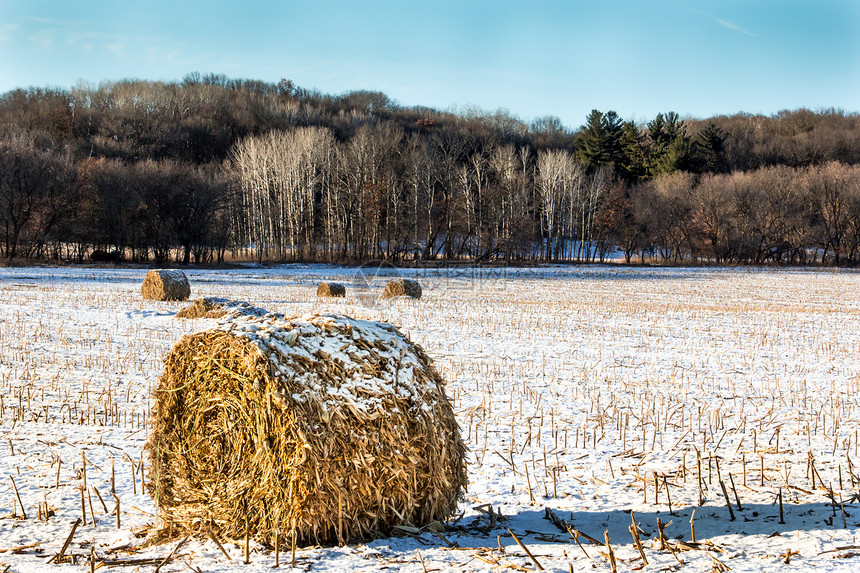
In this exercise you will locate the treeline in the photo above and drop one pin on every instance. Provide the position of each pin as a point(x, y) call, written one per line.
point(212, 168)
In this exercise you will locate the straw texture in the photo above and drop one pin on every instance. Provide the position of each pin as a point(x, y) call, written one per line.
point(203, 308)
point(334, 427)
point(164, 284)
point(216, 307)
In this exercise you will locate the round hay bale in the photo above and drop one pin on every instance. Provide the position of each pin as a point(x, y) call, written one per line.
point(337, 427)
point(165, 285)
point(331, 289)
point(402, 287)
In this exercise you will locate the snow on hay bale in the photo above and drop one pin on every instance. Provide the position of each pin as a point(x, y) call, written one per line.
point(203, 308)
point(214, 307)
point(402, 287)
point(331, 289)
point(165, 285)
point(328, 426)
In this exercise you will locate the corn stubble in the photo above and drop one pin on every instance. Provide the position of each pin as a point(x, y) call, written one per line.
point(583, 391)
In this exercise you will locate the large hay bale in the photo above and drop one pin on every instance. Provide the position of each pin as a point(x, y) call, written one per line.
point(335, 426)
point(402, 287)
point(331, 289)
point(165, 284)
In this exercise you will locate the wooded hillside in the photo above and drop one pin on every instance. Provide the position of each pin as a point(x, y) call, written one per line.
point(211, 168)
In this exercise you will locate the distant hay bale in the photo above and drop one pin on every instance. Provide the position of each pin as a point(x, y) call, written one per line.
point(213, 307)
point(335, 426)
point(331, 289)
point(165, 285)
point(203, 308)
point(402, 287)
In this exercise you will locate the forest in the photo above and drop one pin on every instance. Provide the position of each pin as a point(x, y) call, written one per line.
point(212, 169)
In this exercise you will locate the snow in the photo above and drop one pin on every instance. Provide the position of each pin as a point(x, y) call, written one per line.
point(571, 385)
point(331, 337)
point(173, 274)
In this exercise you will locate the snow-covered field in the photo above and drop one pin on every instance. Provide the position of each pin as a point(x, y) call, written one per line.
point(592, 394)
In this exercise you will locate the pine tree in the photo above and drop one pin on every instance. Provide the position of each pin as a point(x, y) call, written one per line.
point(599, 141)
point(669, 146)
point(710, 157)
point(632, 167)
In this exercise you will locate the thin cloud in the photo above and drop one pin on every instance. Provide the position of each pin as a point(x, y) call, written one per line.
point(734, 27)
point(7, 31)
point(43, 39)
point(51, 34)
point(117, 48)
point(84, 41)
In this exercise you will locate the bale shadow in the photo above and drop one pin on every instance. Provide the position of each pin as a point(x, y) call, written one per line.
point(533, 527)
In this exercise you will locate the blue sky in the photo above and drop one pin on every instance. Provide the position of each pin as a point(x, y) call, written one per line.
point(638, 57)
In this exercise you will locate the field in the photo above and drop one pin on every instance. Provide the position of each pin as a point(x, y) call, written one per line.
point(721, 404)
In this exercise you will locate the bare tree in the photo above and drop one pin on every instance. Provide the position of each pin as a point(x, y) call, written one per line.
point(828, 189)
point(568, 205)
point(37, 189)
point(280, 174)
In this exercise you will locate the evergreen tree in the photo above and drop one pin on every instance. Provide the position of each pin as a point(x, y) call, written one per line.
point(669, 146)
point(708, 152)
point(600, 139)
point(679, 155)
point(632, 167)
point(663, 130)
